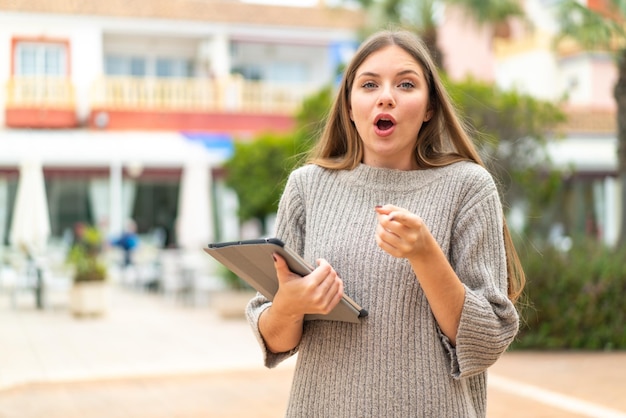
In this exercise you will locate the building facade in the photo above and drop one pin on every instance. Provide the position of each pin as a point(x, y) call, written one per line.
point(117, 99)
point(528, 59)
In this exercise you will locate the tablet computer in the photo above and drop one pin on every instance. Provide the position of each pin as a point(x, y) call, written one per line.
point(251, 260)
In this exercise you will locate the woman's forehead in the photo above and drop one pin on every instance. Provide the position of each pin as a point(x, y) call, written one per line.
point(391, 58)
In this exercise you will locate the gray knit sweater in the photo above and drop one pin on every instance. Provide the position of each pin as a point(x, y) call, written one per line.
point(396, 362)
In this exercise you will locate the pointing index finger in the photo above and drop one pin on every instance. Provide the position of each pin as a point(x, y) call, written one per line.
point(401, 217)
point(386, 209)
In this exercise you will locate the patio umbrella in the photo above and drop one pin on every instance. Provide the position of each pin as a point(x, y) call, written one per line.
point(195, 218)
point(30, 227)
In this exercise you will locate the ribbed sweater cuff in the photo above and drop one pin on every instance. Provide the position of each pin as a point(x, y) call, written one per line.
point(482, 336)
point(253, 311)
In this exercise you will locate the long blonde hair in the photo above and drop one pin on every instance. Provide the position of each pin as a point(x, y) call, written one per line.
point(441, 141)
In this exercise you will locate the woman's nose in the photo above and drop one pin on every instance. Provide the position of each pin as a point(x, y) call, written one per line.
point(386, 98)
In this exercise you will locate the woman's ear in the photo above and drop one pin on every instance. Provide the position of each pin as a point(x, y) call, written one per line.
point(428, 115)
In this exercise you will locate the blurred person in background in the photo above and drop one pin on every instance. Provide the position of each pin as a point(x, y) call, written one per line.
point(128, 242)
point(399, 211)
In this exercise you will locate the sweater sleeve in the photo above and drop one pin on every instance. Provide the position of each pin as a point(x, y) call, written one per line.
point(290, 229)
point(489, 320)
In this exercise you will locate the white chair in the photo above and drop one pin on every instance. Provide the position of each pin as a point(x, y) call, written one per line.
point(173, 276)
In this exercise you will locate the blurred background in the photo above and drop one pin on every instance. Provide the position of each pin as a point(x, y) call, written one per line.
point(132, 134)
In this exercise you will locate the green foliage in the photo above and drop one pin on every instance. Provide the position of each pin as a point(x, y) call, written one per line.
point(504, 117)
point(510, 132)
point(87, 268)
point(541, 190)
point(575, 299)
point(421, 14)
point(310, 119)
point(257, 172)
point(591, 28)
point(84, 256)
point(490, 11)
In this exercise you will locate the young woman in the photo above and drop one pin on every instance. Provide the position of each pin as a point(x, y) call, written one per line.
point(398, 211)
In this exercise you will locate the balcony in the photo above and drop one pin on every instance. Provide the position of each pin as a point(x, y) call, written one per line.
point(233, 104)
point(40, 102)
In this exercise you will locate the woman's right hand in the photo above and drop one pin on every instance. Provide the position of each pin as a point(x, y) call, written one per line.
point(316, 293)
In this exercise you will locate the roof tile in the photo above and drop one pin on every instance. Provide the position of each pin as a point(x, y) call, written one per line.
point(590, 120)
point(221, 11)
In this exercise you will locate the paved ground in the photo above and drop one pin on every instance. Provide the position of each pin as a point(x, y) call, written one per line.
point(156, 358)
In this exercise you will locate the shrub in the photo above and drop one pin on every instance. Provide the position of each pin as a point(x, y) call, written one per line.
point(575, 300)
point(257, 172)
point(84, 255)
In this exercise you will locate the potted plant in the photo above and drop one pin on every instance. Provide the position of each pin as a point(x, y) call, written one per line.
point(89, 293)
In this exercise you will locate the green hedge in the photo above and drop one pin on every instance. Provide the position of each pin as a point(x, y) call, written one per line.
point(574, 300)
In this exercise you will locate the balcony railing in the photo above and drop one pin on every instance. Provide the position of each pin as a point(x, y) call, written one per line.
point(40, 92)
point(233, 94)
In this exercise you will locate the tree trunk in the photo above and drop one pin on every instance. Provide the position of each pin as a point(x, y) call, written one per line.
point(620, 98)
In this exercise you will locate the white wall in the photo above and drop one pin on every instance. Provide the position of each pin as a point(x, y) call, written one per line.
point(589, 79)
point(86, 46)
point(533, 72)
point(527, 61)
point(214, 56)
point(576, 82)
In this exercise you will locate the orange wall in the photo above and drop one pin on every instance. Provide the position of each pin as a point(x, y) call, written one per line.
point(40, 118)
point(238, 124)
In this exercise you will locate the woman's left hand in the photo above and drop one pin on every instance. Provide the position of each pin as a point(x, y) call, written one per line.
point(404, 234)
point(401, 233)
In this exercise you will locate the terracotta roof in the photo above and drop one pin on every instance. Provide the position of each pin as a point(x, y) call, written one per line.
point(581, 120)
point(220, 11)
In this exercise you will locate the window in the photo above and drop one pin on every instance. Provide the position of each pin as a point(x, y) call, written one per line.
point(125, 65)
point(172, 67)
point(288, 72)
point(137, 66)
point(249, 72)
point(40, 58)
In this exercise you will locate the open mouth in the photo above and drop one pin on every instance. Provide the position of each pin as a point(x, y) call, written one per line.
point(384, 124)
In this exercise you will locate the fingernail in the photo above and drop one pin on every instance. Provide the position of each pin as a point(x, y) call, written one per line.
point(378, 206)
point(274, 257)
point(391, 218)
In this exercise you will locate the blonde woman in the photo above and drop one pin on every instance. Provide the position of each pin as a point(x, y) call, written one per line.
point(397, 210)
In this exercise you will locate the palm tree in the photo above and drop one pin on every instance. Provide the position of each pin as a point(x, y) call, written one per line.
point(602, 28)
point(421, 15)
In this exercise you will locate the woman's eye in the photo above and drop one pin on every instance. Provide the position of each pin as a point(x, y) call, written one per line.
point(369, 85)
point(406, 85)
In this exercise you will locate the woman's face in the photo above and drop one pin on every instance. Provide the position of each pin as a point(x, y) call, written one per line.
point(388, 104)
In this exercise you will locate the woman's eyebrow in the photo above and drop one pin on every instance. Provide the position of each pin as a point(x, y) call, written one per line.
point(367, 74)
point(405, 72)
point(400, 73)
